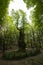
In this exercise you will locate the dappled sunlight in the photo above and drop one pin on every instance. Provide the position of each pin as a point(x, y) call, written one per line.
point(19, 4)
point(21, 32)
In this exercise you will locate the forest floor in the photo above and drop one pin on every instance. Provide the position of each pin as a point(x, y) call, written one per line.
point(35, 60)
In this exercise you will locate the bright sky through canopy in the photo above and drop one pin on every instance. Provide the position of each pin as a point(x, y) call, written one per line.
point(19, 4)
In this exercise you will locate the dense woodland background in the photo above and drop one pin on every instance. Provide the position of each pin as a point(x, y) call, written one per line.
point(16, 33)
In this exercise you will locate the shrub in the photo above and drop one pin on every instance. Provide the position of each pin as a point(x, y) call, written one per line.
point(19, 55)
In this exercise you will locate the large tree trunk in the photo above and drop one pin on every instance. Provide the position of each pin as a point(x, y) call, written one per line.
point(21, 41)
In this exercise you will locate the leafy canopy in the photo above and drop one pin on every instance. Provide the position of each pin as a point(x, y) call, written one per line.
point(3, 9)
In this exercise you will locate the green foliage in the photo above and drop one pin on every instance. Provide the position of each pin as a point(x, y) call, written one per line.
point(3, 9)
point(20, 55)
point(30, 3)
point(15, 27)
point(19, 17)
point(38, 10)
point(15, 17)
point(20, 21)
point(37, 19)
point(9, 32)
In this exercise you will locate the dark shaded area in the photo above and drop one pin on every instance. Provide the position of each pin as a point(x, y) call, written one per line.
point(21, 40)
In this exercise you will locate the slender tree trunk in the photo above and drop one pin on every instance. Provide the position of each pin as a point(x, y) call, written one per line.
point(3, 49)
